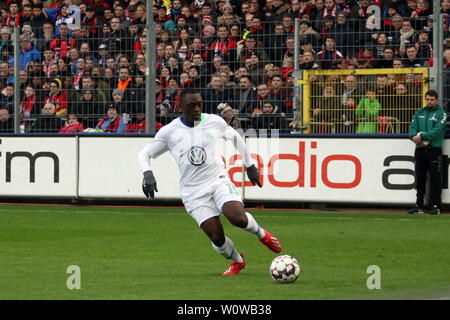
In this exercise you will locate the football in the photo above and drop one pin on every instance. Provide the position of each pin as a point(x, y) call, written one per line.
point(284, 269)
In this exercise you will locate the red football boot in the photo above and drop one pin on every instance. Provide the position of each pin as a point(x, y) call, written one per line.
point(235, 267)
point(271, 242)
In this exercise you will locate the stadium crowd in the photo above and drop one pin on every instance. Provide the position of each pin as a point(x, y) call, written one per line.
point(83, 63)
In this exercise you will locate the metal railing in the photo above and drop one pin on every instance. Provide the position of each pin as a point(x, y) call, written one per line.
point(241, 61)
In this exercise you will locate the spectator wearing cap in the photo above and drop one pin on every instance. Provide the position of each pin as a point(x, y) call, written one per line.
point(390, 9)
point(161, 16)
point(206, 20)
point(228, 114)
point(103, 55)
point(229, 14)
point(27, 51)
point(26, 29)
point(112, 122)
point(5, 36)
point(118, 100)
point(208, 35)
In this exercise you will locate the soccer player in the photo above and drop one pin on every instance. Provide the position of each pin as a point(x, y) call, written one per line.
point(206, 189)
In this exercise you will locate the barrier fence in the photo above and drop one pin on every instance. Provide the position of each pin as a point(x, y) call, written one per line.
point(362, 100)
point(295, 169)
point(91, 76)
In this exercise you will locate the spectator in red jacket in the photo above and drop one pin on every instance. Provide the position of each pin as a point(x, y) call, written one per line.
point(137, 123)
point(223, 46)
point(58, 97)
point(72, 125)
point(62, 44)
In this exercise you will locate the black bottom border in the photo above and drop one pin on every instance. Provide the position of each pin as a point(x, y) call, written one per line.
point(224, 309)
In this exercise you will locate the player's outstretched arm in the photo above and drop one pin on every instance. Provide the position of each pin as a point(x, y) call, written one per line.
point(152, 150)
point(253, 175)
point(149, 186)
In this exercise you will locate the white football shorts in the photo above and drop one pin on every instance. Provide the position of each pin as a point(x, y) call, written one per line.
point(208, 203)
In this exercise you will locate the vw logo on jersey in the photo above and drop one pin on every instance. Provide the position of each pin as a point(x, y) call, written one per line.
point(197, 156)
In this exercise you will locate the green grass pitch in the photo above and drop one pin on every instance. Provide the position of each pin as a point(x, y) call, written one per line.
point(160, 253)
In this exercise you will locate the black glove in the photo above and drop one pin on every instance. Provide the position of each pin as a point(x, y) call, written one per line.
point(149, 184)
point(253, 175)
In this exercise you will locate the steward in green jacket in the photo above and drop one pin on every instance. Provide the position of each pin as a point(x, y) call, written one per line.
point(427, 131)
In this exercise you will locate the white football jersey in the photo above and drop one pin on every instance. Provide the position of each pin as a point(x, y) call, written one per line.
point(194, 150)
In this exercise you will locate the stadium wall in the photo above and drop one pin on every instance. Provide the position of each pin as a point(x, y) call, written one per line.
point(302, 169)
